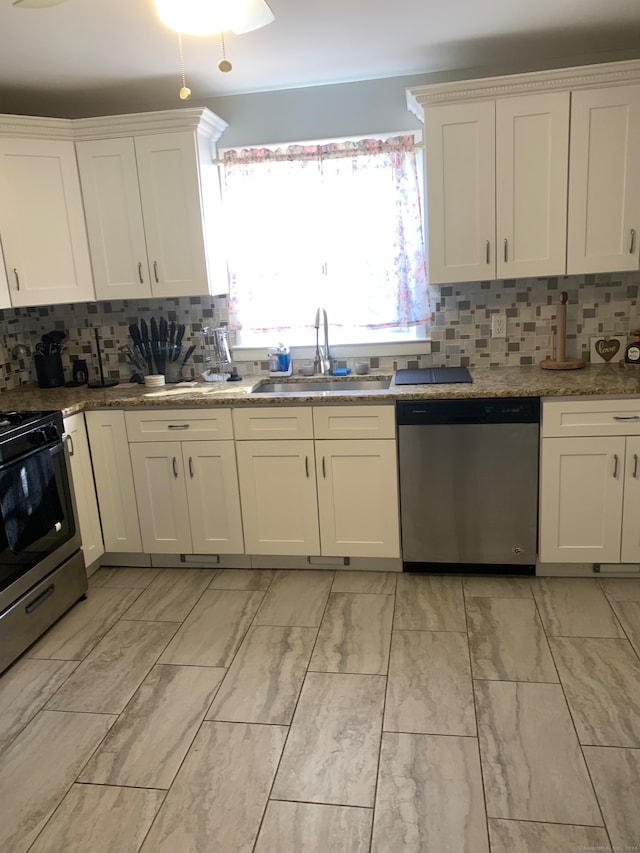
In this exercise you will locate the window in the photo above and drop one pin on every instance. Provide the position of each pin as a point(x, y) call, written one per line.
point(336, 225)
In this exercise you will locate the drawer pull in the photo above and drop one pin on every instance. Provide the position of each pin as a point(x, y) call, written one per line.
point(615, 465)
point(175, 467)
point(178, 426)
point(36, 602)
point(626, 418)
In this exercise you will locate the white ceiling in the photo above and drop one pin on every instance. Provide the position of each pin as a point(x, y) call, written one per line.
point(88, 56)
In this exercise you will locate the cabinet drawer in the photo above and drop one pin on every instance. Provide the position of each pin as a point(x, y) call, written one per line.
point(179, 424)
point(276, 422)
point(591, 417)
point(354, 422)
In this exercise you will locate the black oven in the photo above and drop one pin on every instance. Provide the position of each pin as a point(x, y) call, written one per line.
point(42, 571)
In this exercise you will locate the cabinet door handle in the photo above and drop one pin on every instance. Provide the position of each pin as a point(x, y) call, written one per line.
point(632, 247)
point(178, 426)
point(626, 417)
point(615, 465)
point(15, 272)
point(306, 466)
point(140, 272)
point(506, 249)
point(175, 467)
point(324, 469)
point(155, 271)
point(191, 467)
point(488, 252)
point(66, 437)
point(635, 466)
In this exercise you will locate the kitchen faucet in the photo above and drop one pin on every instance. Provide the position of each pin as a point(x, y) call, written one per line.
point(322, 358)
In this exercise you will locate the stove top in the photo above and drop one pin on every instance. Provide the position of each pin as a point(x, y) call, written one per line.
point(22, 432)
point(432, 376)
point(10, 420)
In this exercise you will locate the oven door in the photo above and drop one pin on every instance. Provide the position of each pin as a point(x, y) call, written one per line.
point(25, 564)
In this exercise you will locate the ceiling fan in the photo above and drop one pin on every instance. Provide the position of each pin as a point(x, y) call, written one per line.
point(196, 17)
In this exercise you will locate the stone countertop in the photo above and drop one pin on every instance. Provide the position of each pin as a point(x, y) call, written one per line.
point(596, 380)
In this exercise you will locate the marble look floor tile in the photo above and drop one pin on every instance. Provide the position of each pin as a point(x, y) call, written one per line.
point(81, 628)
point(123, 578)
point(38, 768)
point(216, 626)
point(429, 688)
point(100, 819)
point(296, 598)
point(429, 796)
point(516, 836)
point(621, 589)
point(628, 612)
point(310, 828)
point(574, 607)
point(532, 764)
point(490, 587)
point(332, 749)
point(218, 798)
point(25, 688)
point(382, 583)
point(111, 674)
point(146, 746)
point(616, 777)
point(601, 680)
point(264, 680)
point(252, 579)
point(427, 603)
point(355, 634)
point(171, 596)
point(507, 641)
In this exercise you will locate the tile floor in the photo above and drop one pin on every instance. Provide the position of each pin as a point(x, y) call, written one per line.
point(195, 711)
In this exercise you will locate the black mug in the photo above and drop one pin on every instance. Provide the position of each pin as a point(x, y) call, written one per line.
point(49, 370)
point(80, 371)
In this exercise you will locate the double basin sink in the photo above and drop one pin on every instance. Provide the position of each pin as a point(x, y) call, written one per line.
point(322, 385)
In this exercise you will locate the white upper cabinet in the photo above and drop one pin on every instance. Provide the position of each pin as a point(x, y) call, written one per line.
point(497, 187)
point(604, 184)
point(152, 201)
point(460, 171)
point(42, 226)
point(113, 211)
point(532, 141)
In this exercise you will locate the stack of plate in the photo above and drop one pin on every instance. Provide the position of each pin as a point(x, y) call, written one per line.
point(154, 380)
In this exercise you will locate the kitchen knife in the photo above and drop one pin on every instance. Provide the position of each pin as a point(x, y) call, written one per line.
point(163, 331)
point(179, 337)
point(144, 334)
point(188, 354)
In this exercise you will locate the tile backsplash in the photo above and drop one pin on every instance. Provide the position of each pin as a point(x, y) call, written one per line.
point(460, 334)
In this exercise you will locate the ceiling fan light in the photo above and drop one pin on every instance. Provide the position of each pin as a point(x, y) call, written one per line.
point(206, 17)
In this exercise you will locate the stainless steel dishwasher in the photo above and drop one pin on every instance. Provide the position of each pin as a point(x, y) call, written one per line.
point(469, 484)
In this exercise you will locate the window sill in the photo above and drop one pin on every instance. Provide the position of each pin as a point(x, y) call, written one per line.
point(367, 350)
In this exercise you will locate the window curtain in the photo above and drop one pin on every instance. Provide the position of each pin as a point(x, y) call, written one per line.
point(337, 225)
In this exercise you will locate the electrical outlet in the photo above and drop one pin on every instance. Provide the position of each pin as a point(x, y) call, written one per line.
point(499, 326)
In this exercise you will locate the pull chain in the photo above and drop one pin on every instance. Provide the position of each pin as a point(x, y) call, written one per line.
point(224, 64)
point(185, 91)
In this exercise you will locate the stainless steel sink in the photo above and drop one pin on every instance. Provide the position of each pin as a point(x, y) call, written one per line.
point(323, 385)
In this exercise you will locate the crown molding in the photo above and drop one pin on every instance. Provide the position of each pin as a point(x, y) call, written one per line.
point(198, 119)
point(36, 127)
point(578, 77)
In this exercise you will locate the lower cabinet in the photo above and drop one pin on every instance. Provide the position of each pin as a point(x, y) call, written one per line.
point(84, 489)
point(333, 497)
point(590, 483)
point(114, 481)
point(187, 495)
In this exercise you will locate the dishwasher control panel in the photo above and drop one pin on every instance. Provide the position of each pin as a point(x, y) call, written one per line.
point(506, 410)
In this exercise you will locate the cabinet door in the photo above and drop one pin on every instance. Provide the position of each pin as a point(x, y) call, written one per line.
point(460, 170)
point(278, 497)
point(114, 481)
point(173, 217)
point(84, 489)
point(112, 208)
point(158, 474)
point(358, 498)
point(630, 550)
point(42, 223)
point(604, 180)
point(581, 491)
point(532, 161)
point(213, 497)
